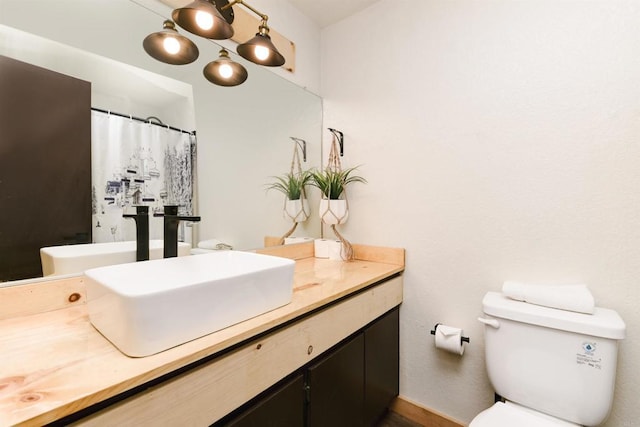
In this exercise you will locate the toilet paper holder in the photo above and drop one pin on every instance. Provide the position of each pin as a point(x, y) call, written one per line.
point(462, 339)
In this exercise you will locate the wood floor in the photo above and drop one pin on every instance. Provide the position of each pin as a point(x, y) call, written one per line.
point(394, 420)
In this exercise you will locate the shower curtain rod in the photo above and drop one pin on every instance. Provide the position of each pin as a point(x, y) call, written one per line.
point(147, 120)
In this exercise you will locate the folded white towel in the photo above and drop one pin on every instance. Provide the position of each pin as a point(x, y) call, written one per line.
point(214, 244)
point(564, 297)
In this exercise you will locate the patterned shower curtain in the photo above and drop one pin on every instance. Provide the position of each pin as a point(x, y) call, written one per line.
point(137, 163)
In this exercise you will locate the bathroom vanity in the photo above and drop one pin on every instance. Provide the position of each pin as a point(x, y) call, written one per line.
point(331, 352)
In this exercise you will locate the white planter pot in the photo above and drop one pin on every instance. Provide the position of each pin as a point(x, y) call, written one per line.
point(296, 210)
point(333, 211)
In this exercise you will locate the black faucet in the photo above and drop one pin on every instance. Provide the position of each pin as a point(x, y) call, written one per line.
point(142, 232)
point(171, 221)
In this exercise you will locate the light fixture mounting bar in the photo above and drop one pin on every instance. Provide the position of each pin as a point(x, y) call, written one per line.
point(234, 2)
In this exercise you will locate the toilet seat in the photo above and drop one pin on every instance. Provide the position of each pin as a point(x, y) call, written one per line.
point(508, 414)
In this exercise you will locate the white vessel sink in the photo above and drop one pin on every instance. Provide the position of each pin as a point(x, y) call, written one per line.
point(147, 307)
point(69, 259)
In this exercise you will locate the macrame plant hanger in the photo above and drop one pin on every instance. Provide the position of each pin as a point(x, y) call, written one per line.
point(334, 164)
point(296, 168)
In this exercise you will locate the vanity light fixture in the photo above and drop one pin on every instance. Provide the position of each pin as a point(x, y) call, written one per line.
point(212, 19)
point(224, 71)
point(170, 47)
point(260, 49)
point(202, 18)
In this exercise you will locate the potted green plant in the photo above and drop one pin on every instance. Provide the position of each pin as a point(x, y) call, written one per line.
point(292, 185)
point(334, 208)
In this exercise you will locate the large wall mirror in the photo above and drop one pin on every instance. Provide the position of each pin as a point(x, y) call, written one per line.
point(243, 133)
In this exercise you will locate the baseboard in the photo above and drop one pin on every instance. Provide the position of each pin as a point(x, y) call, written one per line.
point(421, 415)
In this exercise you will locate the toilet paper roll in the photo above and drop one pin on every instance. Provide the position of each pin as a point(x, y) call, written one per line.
point(335, 250)
point(321, 248)
point(449, 339)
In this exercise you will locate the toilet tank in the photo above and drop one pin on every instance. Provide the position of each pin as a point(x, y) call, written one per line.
point(557, 362)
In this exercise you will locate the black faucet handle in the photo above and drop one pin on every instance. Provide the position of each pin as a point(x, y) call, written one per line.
point(169, 210)
point(181, 218)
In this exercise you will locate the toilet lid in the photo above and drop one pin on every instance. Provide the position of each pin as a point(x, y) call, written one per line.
point(507, 414)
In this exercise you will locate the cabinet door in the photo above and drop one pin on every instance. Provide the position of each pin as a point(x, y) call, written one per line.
point(283, 407)
point(336, 387)
point(382, 340)
point(45, 165)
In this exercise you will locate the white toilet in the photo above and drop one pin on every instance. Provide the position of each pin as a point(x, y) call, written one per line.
point(553, 367)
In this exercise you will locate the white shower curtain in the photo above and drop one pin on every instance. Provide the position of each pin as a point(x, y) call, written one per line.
point(137, 163)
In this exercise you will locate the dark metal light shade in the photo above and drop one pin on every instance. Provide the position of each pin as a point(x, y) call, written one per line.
point(224, 71)
point(170, 47)
point(261, 50)
point(202, 18)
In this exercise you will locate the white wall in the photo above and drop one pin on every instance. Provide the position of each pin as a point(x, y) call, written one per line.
point(501, 140)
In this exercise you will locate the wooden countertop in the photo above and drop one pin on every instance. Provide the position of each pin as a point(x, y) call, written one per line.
point(54, 363)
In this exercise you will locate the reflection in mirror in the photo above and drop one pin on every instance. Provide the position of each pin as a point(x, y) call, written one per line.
point(243, 132)
point(130, 162)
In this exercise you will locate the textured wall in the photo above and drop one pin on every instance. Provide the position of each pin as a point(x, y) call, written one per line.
point(501, 140)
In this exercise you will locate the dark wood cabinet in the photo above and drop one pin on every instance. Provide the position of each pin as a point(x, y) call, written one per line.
point(350, 385)
point(282, 407)
point(381, 361)
point(336, 387)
